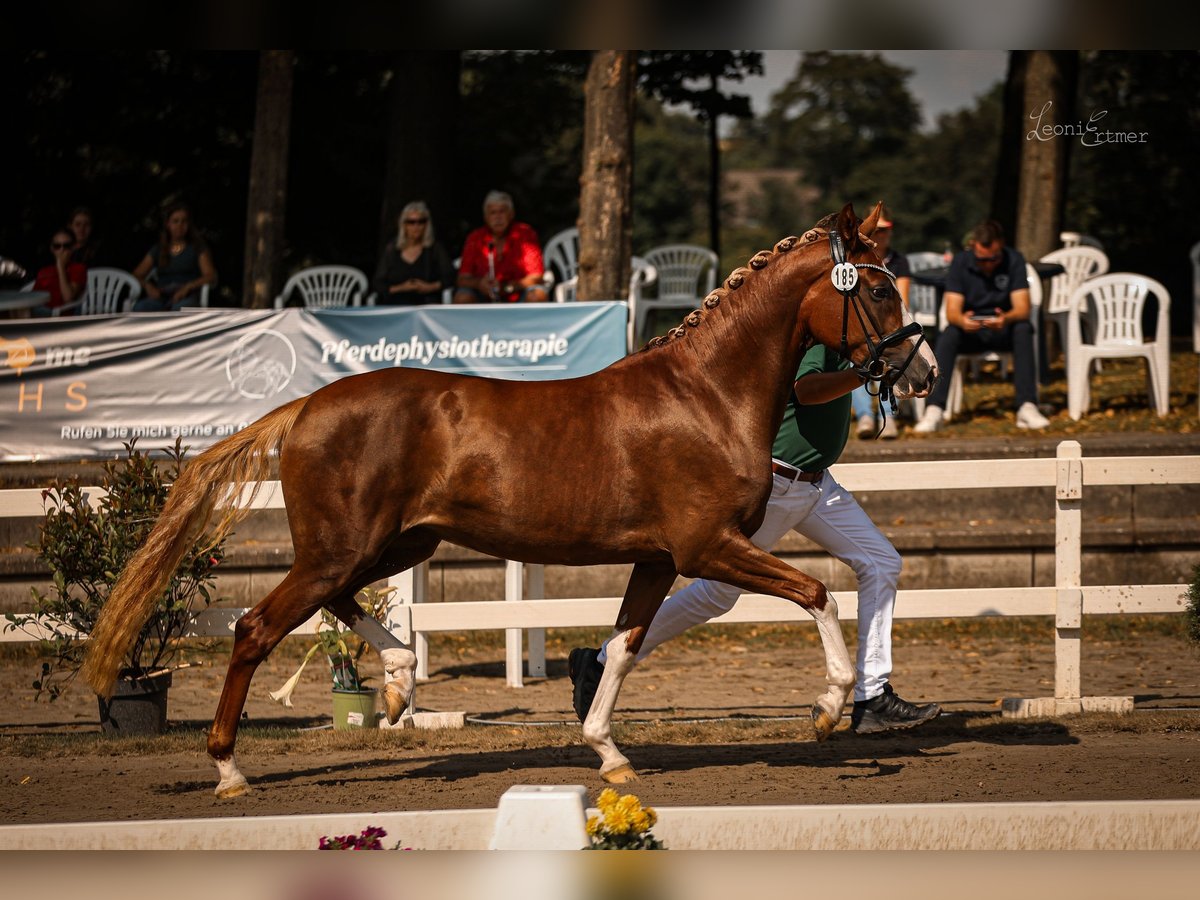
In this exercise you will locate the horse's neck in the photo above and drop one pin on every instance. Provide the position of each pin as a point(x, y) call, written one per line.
point(747, 348)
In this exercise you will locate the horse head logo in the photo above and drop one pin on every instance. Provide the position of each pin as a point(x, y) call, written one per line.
point(19, 354)
point(261, 364)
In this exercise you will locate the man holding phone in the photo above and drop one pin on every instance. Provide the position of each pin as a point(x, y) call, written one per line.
point(987, 308)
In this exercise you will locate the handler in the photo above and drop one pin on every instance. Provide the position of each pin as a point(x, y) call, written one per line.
point(804, 498)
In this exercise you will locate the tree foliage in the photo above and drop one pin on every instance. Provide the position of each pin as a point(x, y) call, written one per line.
point(836, 113)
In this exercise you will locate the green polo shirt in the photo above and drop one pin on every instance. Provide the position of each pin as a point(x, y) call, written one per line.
point(814, 439)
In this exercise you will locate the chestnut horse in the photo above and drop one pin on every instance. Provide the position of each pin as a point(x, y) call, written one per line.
point(661, 460)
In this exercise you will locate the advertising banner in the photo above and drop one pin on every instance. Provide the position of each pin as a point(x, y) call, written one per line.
point(79, 388)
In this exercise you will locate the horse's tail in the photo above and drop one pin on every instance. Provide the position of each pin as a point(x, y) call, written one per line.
point(242, 458)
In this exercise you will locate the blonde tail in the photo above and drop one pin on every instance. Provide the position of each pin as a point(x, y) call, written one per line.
point(242, 458)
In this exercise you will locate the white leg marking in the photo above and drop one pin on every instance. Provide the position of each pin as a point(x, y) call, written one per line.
point(400, 667)
point(839, 672)
point(597, 727)
point(232, 783)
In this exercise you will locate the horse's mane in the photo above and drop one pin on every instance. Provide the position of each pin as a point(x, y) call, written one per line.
point(737, 278)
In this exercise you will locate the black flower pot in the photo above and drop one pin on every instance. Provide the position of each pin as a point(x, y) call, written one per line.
point(138, 705)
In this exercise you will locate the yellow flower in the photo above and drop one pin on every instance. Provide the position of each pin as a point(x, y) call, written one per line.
point(607, 798)
point(593, 826)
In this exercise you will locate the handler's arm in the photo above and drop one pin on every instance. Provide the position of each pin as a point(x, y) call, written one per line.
point(821, 387)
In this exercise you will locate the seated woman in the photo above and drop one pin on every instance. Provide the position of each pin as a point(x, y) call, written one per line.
point(64, 281)
point(414, 268)
point(87, 247)
point(175, 269)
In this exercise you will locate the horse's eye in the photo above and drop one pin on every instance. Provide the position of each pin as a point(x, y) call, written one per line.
point(881, 291)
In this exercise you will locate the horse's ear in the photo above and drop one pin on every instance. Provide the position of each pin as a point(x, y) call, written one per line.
point(871, 222)
point(847, 226)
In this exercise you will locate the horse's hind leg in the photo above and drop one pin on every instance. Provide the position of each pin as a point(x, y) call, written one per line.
point(255, 635)
point(303, 592)
point(648, 585)
point(741, 563)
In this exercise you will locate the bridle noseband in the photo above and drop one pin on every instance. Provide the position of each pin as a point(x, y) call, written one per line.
point(876, 369)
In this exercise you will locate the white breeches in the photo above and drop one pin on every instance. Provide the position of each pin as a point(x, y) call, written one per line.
point(827, 514)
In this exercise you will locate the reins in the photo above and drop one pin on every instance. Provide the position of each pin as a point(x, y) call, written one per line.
point(876, 369)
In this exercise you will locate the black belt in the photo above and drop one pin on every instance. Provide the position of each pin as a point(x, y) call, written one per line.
point(795, 474)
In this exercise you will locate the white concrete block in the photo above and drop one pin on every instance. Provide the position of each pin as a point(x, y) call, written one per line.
point(541, 817)
point(1048, 707)
point(1120, 705)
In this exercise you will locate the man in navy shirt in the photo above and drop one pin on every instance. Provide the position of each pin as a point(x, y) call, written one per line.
point(987, 308)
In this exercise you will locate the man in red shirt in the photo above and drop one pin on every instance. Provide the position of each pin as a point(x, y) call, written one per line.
point(502, 261)
point(65, 281)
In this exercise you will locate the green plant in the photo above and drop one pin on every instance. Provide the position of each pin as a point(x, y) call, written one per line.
point(623, 824)
point(342, 648)
point(1192, 613)
point(87, 546)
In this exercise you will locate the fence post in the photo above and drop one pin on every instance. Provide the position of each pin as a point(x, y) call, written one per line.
point(1068, 551)
point(536, 637)
point(514, 591)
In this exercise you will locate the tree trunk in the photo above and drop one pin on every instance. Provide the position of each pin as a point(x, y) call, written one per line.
point(1050, 100)
point(266, 201)
point(421, 139)
point(1013, 129)
point(605, 208)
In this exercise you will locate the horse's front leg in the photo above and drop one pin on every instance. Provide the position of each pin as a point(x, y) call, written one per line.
point(740, 562)
point(648, 585)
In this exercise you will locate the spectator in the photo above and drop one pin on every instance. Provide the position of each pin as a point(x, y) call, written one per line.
point(807, 499)
point(414, 268)
point(175, 269)
point(86, 246)
point(865, 403)
point(502, 261)
point(987, 308)
point(64, 281)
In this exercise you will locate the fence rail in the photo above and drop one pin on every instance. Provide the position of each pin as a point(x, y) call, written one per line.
point(526, 616)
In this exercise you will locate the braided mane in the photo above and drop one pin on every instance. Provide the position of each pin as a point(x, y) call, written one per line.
point(735, 280)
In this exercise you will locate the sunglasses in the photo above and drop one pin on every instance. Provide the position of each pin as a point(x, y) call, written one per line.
point(995, 257)
point(59, 245)
point(415, 221)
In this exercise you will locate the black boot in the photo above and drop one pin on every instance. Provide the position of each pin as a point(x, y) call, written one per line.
point(889, 712)
point(585, 671)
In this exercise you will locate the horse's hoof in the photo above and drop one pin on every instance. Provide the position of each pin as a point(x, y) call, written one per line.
point(233, 789)
point(620, 775)
point(394, 702)
point(823, 723)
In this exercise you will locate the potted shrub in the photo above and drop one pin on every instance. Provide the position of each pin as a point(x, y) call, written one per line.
point(354, 704)
point(85, 549)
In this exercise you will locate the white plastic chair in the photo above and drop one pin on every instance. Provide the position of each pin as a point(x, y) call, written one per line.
point(923, 298)
point(106, 291)
point(110, 291)
point(1078, 239)
point(323, 287)
point(1117, 301)
point(560, 257)
point(1081, 263)
point(954, 400)
point(685, 274)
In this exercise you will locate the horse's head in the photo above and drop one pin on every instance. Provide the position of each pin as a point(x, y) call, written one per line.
point(854, 308)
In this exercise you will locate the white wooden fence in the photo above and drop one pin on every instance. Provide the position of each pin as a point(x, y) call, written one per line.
point(527, 612)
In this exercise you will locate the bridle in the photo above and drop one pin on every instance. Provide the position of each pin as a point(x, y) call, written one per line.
point(876, 369)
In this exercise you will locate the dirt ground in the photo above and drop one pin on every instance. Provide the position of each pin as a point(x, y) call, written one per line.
point(719, 719)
